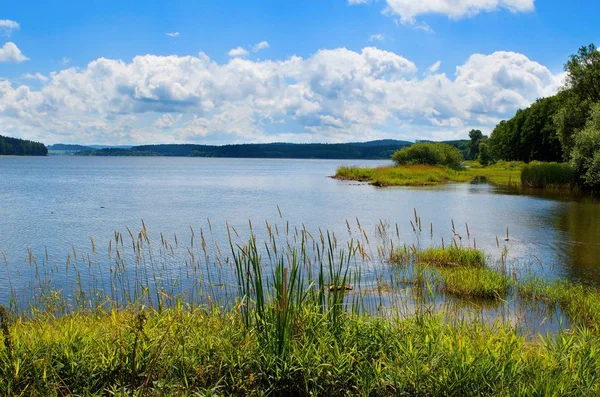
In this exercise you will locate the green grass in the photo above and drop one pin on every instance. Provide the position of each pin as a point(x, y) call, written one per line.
point(284, 331)
point(548, 175)
point(478, 283)
point(503, 173)
point(452, 257)
point(198, 352)
point(580, 303)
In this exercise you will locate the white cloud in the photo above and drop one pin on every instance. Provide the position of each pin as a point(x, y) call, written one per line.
point(7, 26)
point(65, 61)
point(333, 95)
point(260, 46)
point(238, 52)
point(435, 67)
point(172, 34)
point(11, 53)
point(408, 10)
point(377, 37)
point(36, 76)
point(165, 121)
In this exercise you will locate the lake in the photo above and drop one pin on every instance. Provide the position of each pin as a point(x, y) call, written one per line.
point(53, 206)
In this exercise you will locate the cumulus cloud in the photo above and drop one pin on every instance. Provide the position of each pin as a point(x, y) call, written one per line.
point(7, 27)
point(172, 34)
point(35, 76)
point(435, 67)
point(238, 52)
point(263, 45)
point(11, 53)
point(408, 10)
point(333, 95)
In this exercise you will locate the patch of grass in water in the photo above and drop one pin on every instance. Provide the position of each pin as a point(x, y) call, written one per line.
point(478, 283)
point(452, 257)
point(580, 303)
point(502, 173)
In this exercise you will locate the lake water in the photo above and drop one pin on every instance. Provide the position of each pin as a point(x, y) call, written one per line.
point(50, 206)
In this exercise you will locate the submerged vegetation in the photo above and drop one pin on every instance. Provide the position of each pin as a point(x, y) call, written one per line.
point(294, 313)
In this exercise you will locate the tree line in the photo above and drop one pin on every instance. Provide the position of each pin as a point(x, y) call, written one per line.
point(561, 128)
point(21, 147)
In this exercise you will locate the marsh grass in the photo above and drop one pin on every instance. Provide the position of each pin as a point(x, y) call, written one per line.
point(502, 173)
point(581, 303)
point(479, 283)
point(273, 317)
point(454, 256)
point(548, 175)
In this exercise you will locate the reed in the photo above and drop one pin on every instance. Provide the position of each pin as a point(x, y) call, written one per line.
point(289, 311)
point(548, 175)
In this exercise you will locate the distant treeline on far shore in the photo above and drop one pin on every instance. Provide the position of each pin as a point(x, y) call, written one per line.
point(21, 147)
point(380, 149)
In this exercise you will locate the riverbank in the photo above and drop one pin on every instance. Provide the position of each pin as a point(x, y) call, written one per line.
point(298, 324)
point(501, 173)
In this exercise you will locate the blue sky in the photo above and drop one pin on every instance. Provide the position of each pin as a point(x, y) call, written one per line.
point(326, 71)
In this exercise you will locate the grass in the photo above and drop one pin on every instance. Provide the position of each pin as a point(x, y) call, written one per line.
point(502, 173)
point(452, 257)
point(548, 175)
point(581, 303)
point(195, 352)
point(280, 329)
point(479, 283)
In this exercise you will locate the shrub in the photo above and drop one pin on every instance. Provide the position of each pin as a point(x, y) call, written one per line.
point(429, 153)
point(542, 175)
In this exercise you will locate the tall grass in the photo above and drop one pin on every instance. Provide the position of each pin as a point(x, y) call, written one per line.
point(501, 173)
point(548, 175)
point(294, 313)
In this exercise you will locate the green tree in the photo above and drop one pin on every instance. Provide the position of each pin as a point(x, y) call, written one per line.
point(485, 155)
point(585, 156)
point(583, 73)
point(429, 153)
point(475, 136)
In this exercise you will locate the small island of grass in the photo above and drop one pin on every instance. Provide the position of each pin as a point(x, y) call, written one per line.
point(427, 164)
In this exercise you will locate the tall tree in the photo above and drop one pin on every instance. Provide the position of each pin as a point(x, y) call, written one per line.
point(475, 136)
point(583, 73)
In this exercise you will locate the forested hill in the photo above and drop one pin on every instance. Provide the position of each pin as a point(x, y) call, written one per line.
point(21, 147)
point(360, 150)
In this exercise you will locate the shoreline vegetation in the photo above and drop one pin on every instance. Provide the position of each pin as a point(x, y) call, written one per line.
point(286, 324)
point(502, 174)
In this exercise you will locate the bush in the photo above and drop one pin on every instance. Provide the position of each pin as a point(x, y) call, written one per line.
point(542, 175)
point(585, 156)
point(429, 153)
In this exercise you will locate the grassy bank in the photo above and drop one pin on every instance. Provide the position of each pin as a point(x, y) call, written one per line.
point(502, 173)
point(297, 322)
point(195, 352)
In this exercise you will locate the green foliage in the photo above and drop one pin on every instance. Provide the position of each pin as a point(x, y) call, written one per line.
point(430, 154)
point(569, 119)
point(542, 175)
point(585, 156)
point(21, 147)
point(452, 257)
point(484, 153)
point(530, 135)
point(382, 149)
point(481, 283)
point(476, 136)
point(583, 73)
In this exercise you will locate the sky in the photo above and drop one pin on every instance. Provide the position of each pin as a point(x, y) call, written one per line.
point(239, 71)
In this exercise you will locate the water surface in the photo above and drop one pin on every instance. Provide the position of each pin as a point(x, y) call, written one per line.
point(50, 206)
